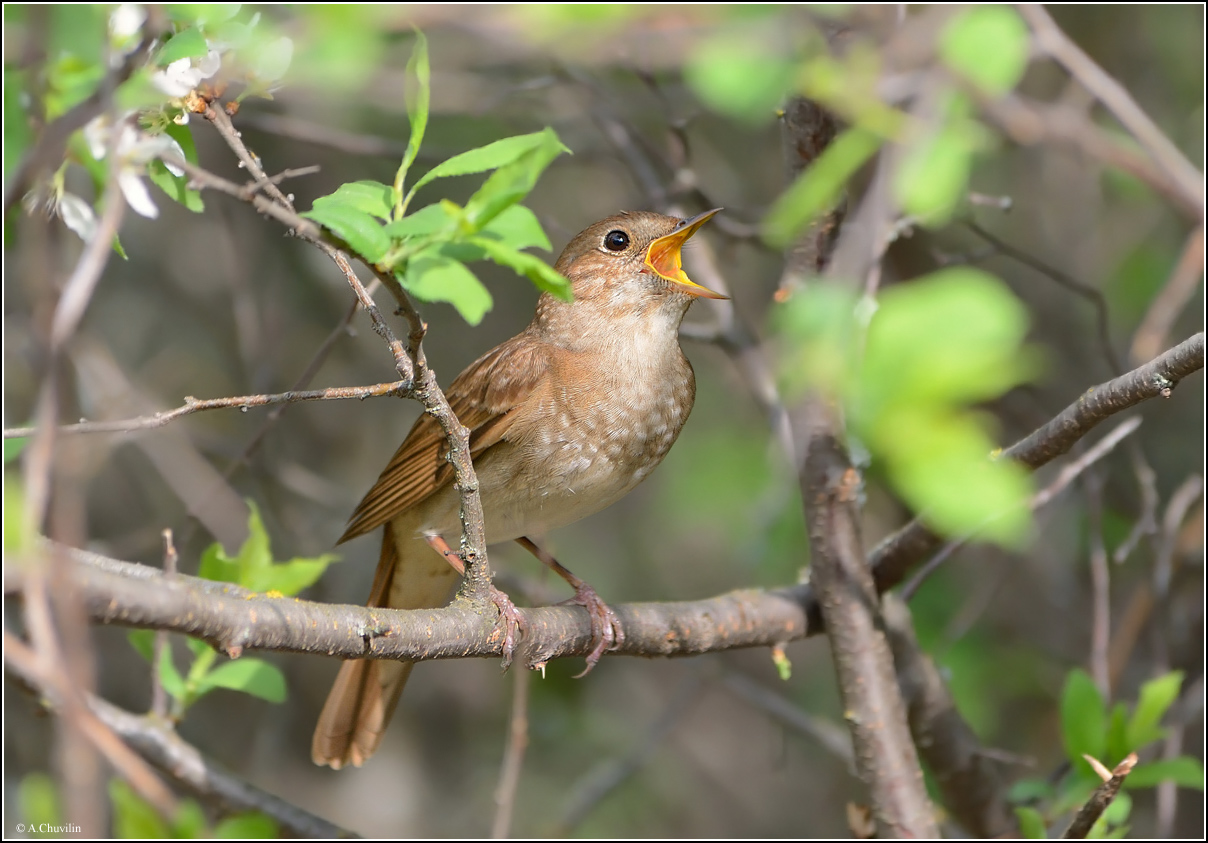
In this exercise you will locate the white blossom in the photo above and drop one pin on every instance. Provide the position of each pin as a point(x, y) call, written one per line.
point(126, 20)
point(182, 76)
point(134, 150)
point(77, 215)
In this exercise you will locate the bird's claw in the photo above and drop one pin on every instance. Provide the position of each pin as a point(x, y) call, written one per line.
point(511, 620)
point(606, 631)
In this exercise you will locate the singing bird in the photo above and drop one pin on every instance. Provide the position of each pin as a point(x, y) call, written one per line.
point(565, 418)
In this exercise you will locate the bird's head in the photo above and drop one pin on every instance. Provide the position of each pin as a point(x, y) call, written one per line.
point(629, 265)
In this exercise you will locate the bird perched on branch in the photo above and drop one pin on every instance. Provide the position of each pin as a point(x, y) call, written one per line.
point(565, 418)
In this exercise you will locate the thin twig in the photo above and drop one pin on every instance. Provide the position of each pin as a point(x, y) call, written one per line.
point(829, 735)
point(242, 402)
point(513, 755)
point(1117, 100)
point(1030, 123)
point(159, 694)
point(1103, 796)
point(1100, 586)
point(1151, 335)
point(1086, 291)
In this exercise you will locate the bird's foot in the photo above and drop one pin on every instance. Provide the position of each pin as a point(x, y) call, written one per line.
point(509, 615)
point(511, 620)
point(606, 631)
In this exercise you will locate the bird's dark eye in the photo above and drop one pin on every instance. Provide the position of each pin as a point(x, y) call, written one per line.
point(616, 241)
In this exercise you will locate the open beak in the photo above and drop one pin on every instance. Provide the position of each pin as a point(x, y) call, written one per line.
point(663, 256)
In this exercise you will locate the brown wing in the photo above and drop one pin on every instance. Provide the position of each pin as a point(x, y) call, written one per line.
point(482, 398)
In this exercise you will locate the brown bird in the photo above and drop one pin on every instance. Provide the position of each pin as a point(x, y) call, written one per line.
point(565, 418)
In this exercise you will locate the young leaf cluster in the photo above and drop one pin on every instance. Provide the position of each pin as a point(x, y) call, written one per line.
point(254, 569)
point(428, 249)
point(1090, 728)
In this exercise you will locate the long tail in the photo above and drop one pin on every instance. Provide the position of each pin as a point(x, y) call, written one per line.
point(365, 692)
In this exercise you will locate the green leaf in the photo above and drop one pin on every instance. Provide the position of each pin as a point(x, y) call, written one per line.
point(988, 45)
point(489, 157)
point(536, 270)
point(361, 231)
point(512, 182)
point(177, 186)
point(250, 826)
point(186, 44)
point(427, 220)
point(950, 337)
point(217, 566)
point(253, 554)
point(934, 346)
point(818, 188)
point(1184, 771)
point(189, 822)
point(291, 577)
point(431, 276)
point(38, 802)
point(939, 461)
point(1157, 695)
point(143, 642)
point(134, 819)
point(1083, 720)
point(417, 114)
point(371, 197)
point(1031, 824)
point(169, 677)
point(934, 174)
point(1117, 735)
point(1117, 812)
point(14, 447)
point(198, 647)
point(17, 530)
point(70, 81)
point(253, 567)
point(202, 13)
point(139, 93)
point(1030, 790)
point(249, 675)
point(740, 77)
point(519, 228)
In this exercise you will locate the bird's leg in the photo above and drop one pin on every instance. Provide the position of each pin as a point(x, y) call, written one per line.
point(509, 615)
point(606, 631)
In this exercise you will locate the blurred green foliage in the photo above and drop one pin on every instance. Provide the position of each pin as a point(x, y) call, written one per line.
point(933, 348)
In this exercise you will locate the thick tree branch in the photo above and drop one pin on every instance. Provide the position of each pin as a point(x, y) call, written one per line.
point(972, 789)
point(235, 620)
point(885, 756)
